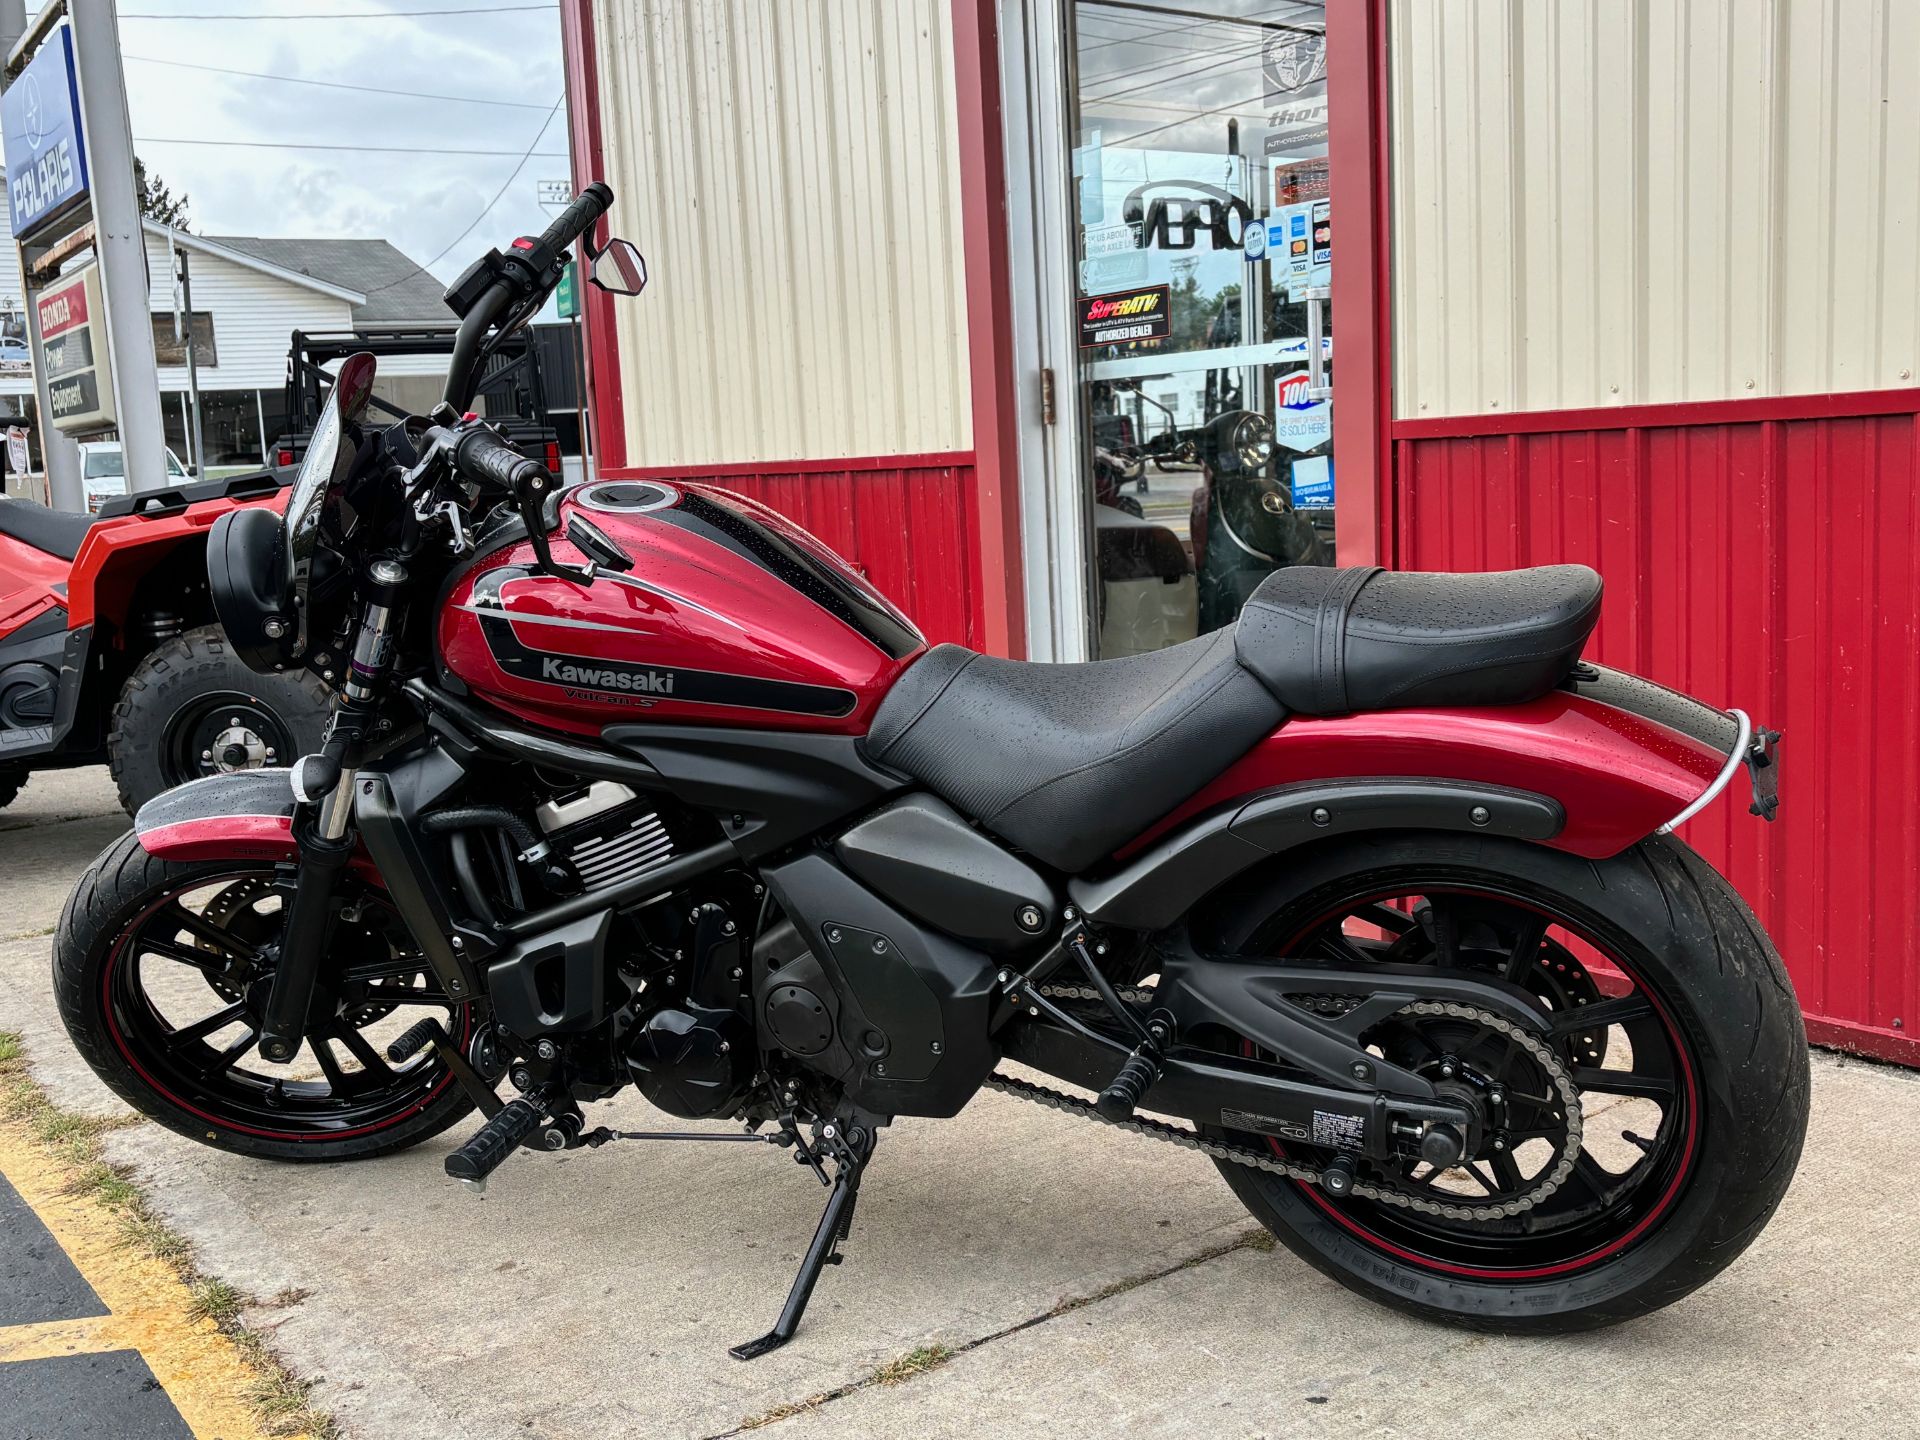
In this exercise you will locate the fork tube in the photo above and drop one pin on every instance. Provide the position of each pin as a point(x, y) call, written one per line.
point(325, 845)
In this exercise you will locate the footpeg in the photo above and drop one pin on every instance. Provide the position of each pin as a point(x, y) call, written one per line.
point(474, 1161)
point(1137, 1074)
point(422, 1034)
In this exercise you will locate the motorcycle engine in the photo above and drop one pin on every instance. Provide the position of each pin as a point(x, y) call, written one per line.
point(692, 1062)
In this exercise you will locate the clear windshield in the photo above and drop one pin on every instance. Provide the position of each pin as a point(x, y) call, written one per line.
point(325, 465)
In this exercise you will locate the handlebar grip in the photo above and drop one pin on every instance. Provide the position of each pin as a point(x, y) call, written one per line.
point(481, 455)
point(494, 1142)
point(574, 221)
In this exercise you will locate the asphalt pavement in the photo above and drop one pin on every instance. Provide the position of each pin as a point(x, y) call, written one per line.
point(1011, 1273)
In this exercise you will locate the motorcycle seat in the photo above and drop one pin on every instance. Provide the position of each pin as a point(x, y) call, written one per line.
point(1068, 762)
point(52, 532)
point(1329, 642)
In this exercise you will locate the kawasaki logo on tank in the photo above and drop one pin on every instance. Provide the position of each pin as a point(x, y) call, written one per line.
point(620, 682)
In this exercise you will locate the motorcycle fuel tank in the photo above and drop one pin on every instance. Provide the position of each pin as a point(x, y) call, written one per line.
point(731, 615)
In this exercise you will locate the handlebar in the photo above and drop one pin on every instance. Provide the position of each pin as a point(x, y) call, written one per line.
point(522, 276)
point(481, 455)
point(574, 221)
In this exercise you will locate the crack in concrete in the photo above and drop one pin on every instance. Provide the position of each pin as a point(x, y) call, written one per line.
point(1255, 1239)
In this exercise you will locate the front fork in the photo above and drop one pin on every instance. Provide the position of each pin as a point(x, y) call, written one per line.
point(323, 820)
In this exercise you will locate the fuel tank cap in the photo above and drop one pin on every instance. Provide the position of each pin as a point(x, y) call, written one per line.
point(626, 497)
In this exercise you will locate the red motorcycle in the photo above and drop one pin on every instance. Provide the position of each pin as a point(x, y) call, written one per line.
point(1372, 897)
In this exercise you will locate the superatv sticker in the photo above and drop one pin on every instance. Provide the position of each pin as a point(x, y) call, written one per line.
point(1120, 319)
point(621, 682)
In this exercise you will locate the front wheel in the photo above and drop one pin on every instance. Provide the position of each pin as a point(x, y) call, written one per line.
point(1623, 1154)
point(161, 969)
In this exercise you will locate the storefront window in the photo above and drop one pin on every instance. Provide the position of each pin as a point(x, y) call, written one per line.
point(1205, 260)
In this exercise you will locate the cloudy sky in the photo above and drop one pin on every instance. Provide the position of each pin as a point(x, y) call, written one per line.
point(416, 192)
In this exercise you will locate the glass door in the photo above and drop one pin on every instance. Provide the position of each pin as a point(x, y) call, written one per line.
point(1204, 264)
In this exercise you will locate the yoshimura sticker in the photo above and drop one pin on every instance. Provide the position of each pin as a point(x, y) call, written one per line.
point(1122, 318)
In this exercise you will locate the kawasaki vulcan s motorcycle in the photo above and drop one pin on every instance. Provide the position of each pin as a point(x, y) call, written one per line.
point(1370, 897)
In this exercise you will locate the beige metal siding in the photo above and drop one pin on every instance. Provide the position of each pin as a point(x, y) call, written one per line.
point(791, 170)
point(1603, 202)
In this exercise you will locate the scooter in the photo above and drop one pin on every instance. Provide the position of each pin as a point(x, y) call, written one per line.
point(1372, 898)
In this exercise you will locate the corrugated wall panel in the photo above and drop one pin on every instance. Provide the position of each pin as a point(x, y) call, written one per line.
point(1603, 202)
point(790, 168)
point(1774, 566)
point(908, 529)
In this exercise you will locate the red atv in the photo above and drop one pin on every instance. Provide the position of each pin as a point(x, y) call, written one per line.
point(109, 650)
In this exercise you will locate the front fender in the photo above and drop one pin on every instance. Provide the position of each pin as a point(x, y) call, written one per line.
point(247, 815)
point(1583, 774)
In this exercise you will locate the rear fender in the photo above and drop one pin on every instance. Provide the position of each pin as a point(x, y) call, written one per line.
point(1577, 773)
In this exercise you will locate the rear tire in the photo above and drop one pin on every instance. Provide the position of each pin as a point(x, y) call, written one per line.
point(12, 779)
point(1681, 934)
point(178, 703)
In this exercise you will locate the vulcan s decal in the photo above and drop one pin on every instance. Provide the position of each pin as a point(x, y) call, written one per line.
point(621, 682)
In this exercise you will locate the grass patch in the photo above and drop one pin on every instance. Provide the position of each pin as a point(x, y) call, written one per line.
point(914, 1362)
point(281, 1402)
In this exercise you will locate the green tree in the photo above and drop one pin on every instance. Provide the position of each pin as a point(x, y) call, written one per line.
point(157, 202)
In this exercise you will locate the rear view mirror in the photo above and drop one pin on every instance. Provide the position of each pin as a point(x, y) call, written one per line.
point(619, 269)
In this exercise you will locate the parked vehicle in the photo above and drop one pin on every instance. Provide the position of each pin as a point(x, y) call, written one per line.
point(109, 649)
point(512, 391)
point(103, 471)
point(1373, 898)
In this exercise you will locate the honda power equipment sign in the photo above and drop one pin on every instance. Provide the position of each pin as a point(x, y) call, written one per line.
point(46, 156)
point(73, 350)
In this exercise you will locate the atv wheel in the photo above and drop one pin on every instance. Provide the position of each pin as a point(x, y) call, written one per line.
point(192, 708)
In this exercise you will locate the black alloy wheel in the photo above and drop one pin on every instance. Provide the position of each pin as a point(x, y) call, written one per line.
point(1625, 1145)
point(1636, 1115)
point(162, 971)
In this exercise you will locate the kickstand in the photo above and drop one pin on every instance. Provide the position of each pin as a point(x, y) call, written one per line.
point(851, 1153)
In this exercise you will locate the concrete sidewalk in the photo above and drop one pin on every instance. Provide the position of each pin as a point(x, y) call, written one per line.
point(1092, 1284)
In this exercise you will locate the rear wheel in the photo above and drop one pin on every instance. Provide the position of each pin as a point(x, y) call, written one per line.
point(12, 778)
point(193, 708)
point(161, 969)
point(1623, 1154)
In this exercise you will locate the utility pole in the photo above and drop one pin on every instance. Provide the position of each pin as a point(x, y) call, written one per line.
point(119, 240)
point(184, 276)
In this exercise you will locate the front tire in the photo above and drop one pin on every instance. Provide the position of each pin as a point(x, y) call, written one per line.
point(192, 708)
point(161, 969)
point(1726, 1109)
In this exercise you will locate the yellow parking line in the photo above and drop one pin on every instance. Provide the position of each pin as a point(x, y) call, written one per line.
point(202, 1372)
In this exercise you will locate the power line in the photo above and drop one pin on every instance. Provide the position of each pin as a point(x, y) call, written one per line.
point(420, 150)
point(332, 84)
point(344, 14)
point(448, 249)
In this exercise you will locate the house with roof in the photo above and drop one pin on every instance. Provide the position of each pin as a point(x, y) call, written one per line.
point(250, 294)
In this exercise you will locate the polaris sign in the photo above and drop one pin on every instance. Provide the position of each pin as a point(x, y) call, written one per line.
point(46, 151)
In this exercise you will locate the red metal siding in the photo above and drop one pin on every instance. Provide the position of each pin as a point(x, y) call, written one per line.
point(910, 528)
point(1773, 565)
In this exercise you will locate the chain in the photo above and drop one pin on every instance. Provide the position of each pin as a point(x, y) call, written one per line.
point(1259, 1160)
